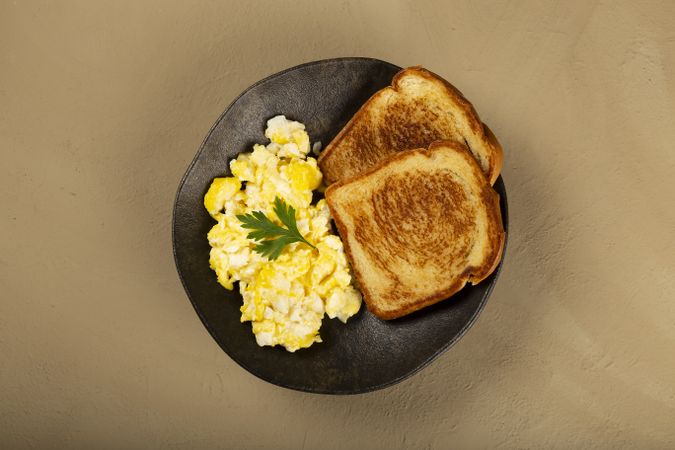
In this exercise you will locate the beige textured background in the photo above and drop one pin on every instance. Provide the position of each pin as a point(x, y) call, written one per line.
point(102, 106)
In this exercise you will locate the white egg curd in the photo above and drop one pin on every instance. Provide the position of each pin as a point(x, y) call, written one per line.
point(286, 298)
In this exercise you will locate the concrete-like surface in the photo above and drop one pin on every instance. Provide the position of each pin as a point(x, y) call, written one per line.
point(102, 106)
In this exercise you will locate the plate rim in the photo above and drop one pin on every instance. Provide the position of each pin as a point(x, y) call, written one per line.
point(313, 390)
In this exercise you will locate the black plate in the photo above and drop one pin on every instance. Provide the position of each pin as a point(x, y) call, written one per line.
point(366, 353)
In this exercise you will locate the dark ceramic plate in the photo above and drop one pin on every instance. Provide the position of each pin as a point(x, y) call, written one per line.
point(366, 353)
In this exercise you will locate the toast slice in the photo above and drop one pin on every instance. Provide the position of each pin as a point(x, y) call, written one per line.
point(418, 227)
point(418, 108)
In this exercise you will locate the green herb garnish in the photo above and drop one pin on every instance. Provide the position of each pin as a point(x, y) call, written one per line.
point(272, 238)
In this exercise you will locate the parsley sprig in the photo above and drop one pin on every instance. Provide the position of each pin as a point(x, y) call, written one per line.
point(272, 238)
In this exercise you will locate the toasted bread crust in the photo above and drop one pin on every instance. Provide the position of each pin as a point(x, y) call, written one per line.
point(497, 154)
point(472, 274)
point(330, 159)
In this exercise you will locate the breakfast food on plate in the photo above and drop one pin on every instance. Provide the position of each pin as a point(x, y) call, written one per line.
point(411, 197)
point(418, 108)
point(418, 227)
point(270, 238)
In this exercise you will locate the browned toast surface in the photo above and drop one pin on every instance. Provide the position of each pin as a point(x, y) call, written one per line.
point(418, 227)
point(417, 109)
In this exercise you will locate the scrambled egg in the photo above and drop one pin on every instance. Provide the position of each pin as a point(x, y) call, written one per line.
point(286, 298)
